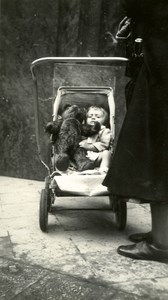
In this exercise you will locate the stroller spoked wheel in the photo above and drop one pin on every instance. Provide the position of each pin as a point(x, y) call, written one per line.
point(43, 212)
point(119, 208)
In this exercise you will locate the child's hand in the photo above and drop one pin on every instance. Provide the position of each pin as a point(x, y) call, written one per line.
point(84, 144)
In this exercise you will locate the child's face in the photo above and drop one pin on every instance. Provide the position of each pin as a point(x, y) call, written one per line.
point(95, 115)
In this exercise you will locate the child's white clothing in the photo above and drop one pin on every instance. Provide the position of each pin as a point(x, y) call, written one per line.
point(101, 141)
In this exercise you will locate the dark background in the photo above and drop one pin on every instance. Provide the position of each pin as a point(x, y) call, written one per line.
point(36, 28)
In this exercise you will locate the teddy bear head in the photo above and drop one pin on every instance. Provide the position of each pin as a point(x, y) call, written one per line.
point(74, 111)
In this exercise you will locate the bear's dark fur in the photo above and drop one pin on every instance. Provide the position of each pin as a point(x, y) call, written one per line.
point(67, 132)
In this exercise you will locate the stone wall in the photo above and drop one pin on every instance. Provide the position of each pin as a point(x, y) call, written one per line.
point(32, 29)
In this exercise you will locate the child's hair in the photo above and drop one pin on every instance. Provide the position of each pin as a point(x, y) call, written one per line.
point(99, 108)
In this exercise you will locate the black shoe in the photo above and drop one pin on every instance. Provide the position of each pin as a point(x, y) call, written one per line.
point(144, 251)
point(139, 237)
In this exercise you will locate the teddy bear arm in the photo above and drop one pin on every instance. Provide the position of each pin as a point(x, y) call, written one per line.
point(89, 130)
point(53, 128)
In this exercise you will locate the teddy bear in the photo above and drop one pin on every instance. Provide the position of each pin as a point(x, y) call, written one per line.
point(66, 132)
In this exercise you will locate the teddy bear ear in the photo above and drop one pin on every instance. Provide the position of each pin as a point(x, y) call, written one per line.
point(49, 127)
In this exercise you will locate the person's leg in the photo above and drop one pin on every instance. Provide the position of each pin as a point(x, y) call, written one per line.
point(141, 236)
point(159, 216)
point(159, 211)
point(157, 249)
point(104, 160)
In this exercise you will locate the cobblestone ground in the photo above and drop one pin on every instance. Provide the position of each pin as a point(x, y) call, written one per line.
point(76, 258)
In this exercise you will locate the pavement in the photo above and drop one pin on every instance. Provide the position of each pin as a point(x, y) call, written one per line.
point(76, 259)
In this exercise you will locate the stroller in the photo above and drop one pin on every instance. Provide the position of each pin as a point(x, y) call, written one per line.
point(72, 183)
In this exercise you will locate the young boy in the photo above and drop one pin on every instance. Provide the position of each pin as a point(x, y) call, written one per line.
point(98, 145)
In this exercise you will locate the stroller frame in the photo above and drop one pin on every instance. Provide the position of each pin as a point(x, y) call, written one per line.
point(51, 189)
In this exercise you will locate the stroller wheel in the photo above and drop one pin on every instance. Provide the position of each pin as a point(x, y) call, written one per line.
point(48, 193)
point(49, 200)
point(121, 215)
point(43, 212)
point(119, 208)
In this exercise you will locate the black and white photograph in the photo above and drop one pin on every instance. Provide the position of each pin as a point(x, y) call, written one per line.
point(83, 149)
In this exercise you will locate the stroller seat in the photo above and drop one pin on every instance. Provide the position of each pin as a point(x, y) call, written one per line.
point(88, 183)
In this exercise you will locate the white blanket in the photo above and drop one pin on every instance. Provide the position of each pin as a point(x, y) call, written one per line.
point(80, 184)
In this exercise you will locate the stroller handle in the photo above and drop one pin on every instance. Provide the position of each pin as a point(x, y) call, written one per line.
point(116, 61)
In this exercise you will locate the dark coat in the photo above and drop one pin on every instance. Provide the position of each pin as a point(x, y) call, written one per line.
point(139, 166)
